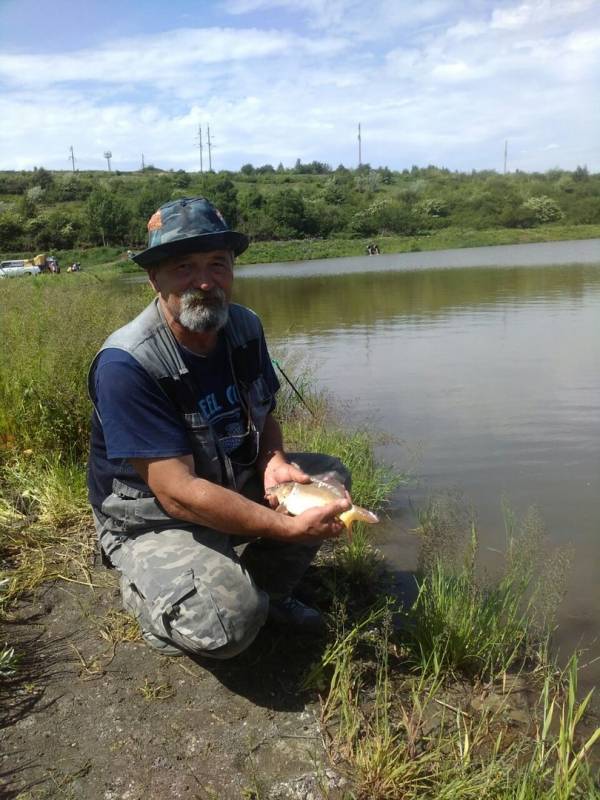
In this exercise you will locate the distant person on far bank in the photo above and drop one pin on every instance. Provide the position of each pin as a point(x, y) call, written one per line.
point(185, 446)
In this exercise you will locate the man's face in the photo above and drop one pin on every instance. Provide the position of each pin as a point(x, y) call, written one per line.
point(196, 288)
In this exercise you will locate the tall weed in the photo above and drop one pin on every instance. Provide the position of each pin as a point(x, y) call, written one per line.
point(50, 330)
point(465, 621)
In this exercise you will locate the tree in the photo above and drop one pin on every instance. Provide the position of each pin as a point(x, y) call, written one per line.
point(182, 179)
point(42, 177)
point(107, 217)
point(156, 192)
point(224, 195)
point(286, 209)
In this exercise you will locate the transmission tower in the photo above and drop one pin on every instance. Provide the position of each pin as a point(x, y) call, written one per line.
point(200, 147)
point(72, 157)
point(209, 148)
point(108, 156)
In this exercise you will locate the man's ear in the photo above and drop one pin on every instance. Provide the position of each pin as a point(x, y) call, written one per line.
point(152, 274)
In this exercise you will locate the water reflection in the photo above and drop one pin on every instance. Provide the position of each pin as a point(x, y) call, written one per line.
point(318, 303)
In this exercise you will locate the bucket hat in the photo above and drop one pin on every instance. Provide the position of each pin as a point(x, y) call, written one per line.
point(188, 225)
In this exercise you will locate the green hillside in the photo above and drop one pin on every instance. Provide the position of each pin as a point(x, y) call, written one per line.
point(323, 211)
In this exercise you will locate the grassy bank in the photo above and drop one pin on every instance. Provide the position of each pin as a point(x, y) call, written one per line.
point(445, 239)
point(455, 696)
point(105, 261)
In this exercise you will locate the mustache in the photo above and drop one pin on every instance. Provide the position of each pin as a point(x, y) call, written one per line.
point(196, 297)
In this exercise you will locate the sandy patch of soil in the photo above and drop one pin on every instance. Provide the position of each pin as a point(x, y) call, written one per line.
point(88, 716)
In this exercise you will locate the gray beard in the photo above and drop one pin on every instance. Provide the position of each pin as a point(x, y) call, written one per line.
point(200, 317)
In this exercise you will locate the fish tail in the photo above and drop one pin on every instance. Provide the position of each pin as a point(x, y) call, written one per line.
point(358, 514)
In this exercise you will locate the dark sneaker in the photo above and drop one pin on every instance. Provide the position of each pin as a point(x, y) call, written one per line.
point(291, 613)
point(163, 646)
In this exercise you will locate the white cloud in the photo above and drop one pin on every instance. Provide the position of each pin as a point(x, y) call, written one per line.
point(538, 12)
point(160, 59)
point(374, 21)
point(448, 91)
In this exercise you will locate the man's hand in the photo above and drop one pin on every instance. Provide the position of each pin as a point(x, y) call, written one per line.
point(279, 470)
point(319, 523)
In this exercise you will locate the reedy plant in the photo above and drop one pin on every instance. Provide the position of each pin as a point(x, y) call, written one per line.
point(50, 331)
point(461, 623)
point(378, 725)
point(45, 530)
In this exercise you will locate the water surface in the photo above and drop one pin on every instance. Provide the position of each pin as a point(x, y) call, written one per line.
point(488, 376)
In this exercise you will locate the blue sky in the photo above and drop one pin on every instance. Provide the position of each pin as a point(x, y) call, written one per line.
point(431, 82)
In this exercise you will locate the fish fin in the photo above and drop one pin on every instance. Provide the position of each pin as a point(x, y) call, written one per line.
point(358, 514)
point(330, 480)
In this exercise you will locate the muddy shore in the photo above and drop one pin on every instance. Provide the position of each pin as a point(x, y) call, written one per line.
point(92, 714)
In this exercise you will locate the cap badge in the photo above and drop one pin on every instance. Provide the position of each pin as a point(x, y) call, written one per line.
point(155, 221)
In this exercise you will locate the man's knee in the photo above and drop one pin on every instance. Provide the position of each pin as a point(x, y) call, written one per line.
point(321, 463)
point(240, 614)
point(217, 622)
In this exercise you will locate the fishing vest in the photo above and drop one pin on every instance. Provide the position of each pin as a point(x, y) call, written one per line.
point(150, 341)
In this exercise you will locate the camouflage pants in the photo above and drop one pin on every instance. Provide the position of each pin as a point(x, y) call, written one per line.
point(189, 586)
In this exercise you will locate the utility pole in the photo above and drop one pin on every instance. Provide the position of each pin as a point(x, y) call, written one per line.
point(505, 153)
point(199, 137)
point(359, 147)
point(72, 157)
point(108, 156)
point(209, 148)
point(143, 164)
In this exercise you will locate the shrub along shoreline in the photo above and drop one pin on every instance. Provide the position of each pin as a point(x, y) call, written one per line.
point(420, 702)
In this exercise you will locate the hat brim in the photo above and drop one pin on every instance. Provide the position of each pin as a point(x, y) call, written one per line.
point(204, 242)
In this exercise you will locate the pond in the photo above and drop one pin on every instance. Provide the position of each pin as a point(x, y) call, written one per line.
point(483, 366)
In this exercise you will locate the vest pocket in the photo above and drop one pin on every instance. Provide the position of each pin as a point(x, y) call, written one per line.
point(260, 400)
point(204, 447)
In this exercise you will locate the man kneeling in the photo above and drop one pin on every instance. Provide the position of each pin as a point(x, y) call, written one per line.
point(184, 447)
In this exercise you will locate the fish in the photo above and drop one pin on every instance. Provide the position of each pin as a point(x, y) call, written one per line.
point(297, 497)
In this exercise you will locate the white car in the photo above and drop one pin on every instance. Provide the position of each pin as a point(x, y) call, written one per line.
point(10, 269)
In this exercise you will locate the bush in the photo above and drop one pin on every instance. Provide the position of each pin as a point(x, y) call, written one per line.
point(518, 217)
point(544, 208)
point(11, 231)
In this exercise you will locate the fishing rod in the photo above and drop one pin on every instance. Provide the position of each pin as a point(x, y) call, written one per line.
point(302, 400)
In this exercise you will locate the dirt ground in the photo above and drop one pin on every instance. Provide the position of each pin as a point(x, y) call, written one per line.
point(91, 714)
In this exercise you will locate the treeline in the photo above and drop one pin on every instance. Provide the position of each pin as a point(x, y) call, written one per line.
point(44, 210)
